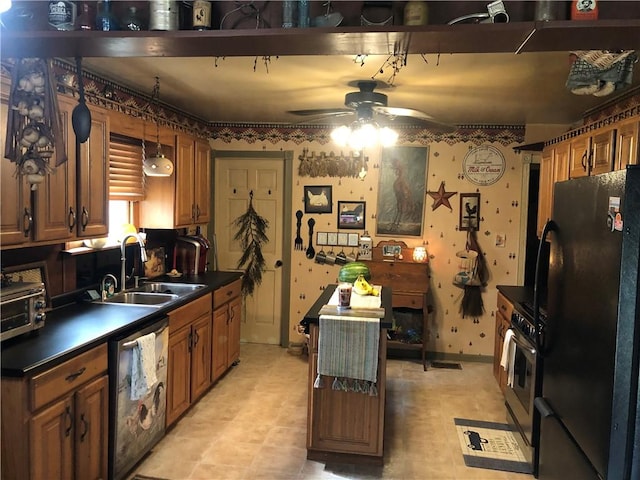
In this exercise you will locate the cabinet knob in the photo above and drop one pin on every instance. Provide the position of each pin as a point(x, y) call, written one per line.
point(27, 222)
point(72, 219)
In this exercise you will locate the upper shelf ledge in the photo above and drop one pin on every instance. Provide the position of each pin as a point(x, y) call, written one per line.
point(517, 37)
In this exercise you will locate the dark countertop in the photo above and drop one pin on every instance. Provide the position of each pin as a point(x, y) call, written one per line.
point(312, 315)
point(519, 296)
point(73, 329)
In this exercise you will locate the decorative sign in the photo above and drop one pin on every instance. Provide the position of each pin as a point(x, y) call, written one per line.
point(483, 165)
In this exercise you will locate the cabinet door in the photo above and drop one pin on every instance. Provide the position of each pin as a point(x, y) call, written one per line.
point(51, 442)
point(15, 207)
point(201, 356)
point(545, 189)
point(235, 321)
point(601, 154)
point(54, 207)
point(92, 429)
point(202, 181)
point(184, 172)
point(220, 342)
point(579, 157)
point(627, 151)
point(93, 178)
point(178, 374)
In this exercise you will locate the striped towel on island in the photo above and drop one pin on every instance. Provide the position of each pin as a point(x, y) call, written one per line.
point(348, 351)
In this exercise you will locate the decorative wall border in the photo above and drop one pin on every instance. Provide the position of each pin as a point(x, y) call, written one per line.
point(299, 134)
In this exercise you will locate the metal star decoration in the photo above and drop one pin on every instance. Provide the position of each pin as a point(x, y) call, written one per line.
point(441, 197)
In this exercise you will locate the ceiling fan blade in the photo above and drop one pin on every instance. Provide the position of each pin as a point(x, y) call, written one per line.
point(322, 111)
point(414, 114)
point(330, 119)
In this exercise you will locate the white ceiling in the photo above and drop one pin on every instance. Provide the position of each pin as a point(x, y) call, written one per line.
point(489, 89)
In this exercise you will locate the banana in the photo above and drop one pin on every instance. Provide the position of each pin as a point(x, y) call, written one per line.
point(362, 287)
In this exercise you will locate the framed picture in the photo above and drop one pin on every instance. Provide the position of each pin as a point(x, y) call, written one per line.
point(401, 191)
point(351, 215)
point(317, 199)
point(469, 211)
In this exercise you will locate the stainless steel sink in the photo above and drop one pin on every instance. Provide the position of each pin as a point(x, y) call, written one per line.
point(179, 289)
point(141, 298)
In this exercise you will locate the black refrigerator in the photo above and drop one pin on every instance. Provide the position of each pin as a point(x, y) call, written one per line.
point(590, 343)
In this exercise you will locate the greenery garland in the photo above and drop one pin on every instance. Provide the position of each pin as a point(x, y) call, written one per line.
point(252, 235)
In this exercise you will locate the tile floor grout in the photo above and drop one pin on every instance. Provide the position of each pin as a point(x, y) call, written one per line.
point(252, 424)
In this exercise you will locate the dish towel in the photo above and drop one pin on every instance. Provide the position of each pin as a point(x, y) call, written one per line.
point(508, 356)
point(143, 366)
point(348, 351)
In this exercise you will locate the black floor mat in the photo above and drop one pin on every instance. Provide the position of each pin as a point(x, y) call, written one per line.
point(449, 365)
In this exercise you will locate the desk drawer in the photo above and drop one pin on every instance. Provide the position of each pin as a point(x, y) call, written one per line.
point(66, 377)
point(408, 300)
point(401, 277)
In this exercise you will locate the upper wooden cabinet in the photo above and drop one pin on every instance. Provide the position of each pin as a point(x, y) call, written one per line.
point(627, 150)
point(72, 201)
point(592, 154)
point(186, 193)
point(554, 167)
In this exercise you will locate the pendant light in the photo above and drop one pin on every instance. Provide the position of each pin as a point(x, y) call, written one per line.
point(157, 165)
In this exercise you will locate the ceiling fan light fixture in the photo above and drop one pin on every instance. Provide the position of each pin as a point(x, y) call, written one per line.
point(363, 134)
point(340, 135)
point(387, 137)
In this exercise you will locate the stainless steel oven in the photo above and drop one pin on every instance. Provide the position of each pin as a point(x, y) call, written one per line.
point(524, 385)
point(22, 306)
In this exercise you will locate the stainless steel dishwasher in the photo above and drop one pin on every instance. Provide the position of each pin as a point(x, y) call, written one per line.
point(135, 425)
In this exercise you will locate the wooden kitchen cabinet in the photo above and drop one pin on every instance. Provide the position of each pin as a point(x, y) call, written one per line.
point(227, 319)
point(189, 362)
point(554, 167)
point(185, 193)
point(592, 153)
point(627, 150)
point(193, 178)
point(58, 421)
point(409, 282)
point(72, 201)
point(503, 322)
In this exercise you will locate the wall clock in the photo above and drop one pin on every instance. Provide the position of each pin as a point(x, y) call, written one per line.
point(483, 165)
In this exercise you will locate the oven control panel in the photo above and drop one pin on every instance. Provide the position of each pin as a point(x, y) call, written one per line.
point(523, 325)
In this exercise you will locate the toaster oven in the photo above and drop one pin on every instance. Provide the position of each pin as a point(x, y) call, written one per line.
point(22, 308)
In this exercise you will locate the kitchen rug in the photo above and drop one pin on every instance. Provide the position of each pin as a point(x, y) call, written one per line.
point(490, 445)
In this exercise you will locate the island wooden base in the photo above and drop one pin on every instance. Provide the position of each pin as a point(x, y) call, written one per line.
point(345, 425)
point(331, 457)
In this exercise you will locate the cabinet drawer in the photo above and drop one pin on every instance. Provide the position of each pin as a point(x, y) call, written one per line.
point(223, 294)
point(186, 314)
point(66, 377)
point(504, 306)
point(407, 300)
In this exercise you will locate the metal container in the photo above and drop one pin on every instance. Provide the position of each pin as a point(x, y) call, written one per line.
point(163, 15)
point(62, 15)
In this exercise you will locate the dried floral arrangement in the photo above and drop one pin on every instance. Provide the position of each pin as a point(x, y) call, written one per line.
point(332, 165)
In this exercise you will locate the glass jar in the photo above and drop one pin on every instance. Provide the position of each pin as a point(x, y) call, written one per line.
point(83, 20)
point(105, 19)
point(289, 13)
point(303, 13)
point(163, 15)
point(201, 15)
point(132, 21)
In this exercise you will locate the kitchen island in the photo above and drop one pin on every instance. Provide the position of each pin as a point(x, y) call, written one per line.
point(345, 425)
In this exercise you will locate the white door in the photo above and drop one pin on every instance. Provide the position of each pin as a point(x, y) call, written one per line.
point(236, 178)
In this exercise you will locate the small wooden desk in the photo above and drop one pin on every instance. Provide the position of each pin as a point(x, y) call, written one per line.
point(410, 282)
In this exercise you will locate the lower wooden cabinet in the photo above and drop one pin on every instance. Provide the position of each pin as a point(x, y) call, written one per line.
point(503, 322)
point(55, 424)
point(189, 363)
point(227, 319)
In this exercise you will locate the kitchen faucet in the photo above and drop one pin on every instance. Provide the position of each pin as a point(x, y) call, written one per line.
point(123, 257)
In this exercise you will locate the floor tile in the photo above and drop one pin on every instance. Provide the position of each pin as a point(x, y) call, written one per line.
point(252, 424)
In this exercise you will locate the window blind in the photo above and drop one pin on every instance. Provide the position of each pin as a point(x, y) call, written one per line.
point(126, 180)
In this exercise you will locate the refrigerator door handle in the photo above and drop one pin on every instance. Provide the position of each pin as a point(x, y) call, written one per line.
point(548, 227)
point(543, 407)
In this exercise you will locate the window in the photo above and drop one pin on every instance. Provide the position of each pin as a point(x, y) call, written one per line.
point(126, 181)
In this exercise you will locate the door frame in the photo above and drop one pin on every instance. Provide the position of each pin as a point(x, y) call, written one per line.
point(287, 157)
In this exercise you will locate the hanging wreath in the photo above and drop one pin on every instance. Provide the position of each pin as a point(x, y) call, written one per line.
point(252, 234)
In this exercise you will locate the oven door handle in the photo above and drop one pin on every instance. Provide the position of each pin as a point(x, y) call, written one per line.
point(527, 348)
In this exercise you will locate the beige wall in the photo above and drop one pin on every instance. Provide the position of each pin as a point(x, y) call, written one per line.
point(500, 211)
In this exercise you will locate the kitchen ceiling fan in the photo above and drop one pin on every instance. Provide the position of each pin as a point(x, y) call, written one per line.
point(366, 102)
